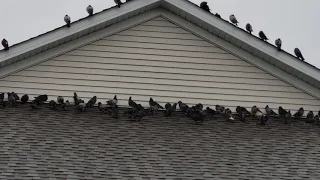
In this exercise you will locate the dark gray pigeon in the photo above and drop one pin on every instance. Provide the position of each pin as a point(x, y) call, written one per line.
point(310, 117)
point(91, 102)
point(298, 53)
point(60, 99)
point(11, 98)
point(5, 44)
point(65, 105)
point(52, 104)
point(269, 111)
point(102, 107)
point(171, 111)
point(118, 2)
point(218, 15)
point(228, 114)
point(67, 19)
point(15, 96)
point(204, 6)
point(90, 10)
point(81, 106)
point(211, 111)
point(242, 115)
point(34, 104)
point(113, 102)
point(278, 43)
point(240, 109)
point(249, 28)
point(287, 117)
point(24, 99)
point(183, 107)
point(282, 112)
point(41, 98)
point(154, 106)
point(220, 109)
point(299, 113)
point(255, 111)
point(263, 36)
point(264, 120)
point(233, 19)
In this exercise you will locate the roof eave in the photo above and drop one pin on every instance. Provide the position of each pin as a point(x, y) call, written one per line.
point(78, 29)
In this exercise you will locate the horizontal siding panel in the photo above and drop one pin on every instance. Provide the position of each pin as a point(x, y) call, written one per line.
point(229, 62)
point(156, 51)
point(159, 29)
point(185, 95)
point(139, 55)
point(143, 99)
point(154, 86)
point(158, 46)
point(159, 23)
point(154, 40)
point(159, 35)
point(99, 67)
point(182, 80)
point(143, 63)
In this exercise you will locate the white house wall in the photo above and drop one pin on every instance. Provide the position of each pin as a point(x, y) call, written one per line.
point(161, 60)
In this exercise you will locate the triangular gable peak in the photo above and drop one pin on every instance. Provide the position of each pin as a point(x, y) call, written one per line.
point(159, 55)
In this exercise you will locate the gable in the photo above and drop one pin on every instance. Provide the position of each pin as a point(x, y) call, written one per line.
point(162, 60)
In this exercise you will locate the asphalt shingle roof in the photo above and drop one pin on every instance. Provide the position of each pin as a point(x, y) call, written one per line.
point(48, 144)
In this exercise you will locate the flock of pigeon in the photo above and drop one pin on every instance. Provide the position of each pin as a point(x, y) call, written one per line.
point(262, 35)
point(136, 111)
point(205, 7)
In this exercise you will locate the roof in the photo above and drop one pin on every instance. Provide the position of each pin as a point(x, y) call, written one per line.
point(44, 144)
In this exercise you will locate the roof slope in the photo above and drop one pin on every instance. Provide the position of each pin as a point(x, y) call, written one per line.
point(67, 145)
point(158, 59)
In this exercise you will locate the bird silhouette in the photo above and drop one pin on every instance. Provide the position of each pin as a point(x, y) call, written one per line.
point(263, 36)
point(249, 28)
point(269, 111)
point(278, 43)
point(298, 53)
point(90, 10)
point(118, 2)
point(204, 6)
point(67, 19)
point(233, 19)
point(5, 44)
point(24, 99)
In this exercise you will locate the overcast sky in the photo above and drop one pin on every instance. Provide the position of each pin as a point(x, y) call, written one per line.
point(296, 22)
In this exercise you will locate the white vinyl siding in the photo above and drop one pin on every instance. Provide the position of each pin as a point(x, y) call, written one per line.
point(161, 60)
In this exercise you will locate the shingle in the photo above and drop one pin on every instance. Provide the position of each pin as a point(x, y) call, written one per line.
point(61, 148)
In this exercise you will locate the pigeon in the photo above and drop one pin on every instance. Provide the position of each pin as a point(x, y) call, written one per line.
point(91, 102)
point(118, 2)
point(41, 98)
point(218, 15)
point(198, 107)
point(11, 98)
point(210, 111)
point(67, 19)
point(233, 19)
point(242, 109)
point(5, 44)
point(269, 111)
point(287, 117)
point(34, 104)
point(65, 105)
point(298, 53)
point(317, 119)
point(81, 106)
point(113, 102)
point(196, 116)
point(90, 10)
point(183, 107)
point(299, 113)
point(220, 109)
point(256, 111)
point(24, 99)
point(249, 28)
point(154, 106)
point(167, 106)
point(310, 117)
point(264, 120)
point(204, 6)
point(60, 99)
point(76, 99)
point(132, 103)
point(282, 112)
point(15, 95)
point(52, 104)
point(278, 43)
point(263, 36)
point(1, 100)
point(171, 111)
point(228, 114)
point(102, 107)
point(140, 114)
point(242, 115)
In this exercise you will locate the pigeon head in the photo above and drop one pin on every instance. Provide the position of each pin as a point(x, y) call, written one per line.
point(115, 97)
point(151, 100)
point(99, 103)
point(67, 101)
point(267, 106)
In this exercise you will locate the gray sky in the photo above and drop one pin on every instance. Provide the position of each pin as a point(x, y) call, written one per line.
point(296, 22)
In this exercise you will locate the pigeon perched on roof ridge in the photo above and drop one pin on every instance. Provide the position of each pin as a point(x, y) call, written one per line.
point(67, 20)
point(228, 114)
point(287, 117)
point(298, 53)
point(264, 119)
point(233, 19)
point(282, 112)
point(90, 10)
point(204, 5)
point(113, 102)
point(249, 28)
point(278, 43)
point(256, 111)
point(154, 106)
point(171, 111)
point(183, 107)
point(269, 111)
point(60, 99)
point(91, 102)
point(220, 109)
point(118, 2)
point(5, 44)
point(310, 117)
point(263, 36)
point(65, 105)
point(299, 113)
point(52, 104)
point(24, 99)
